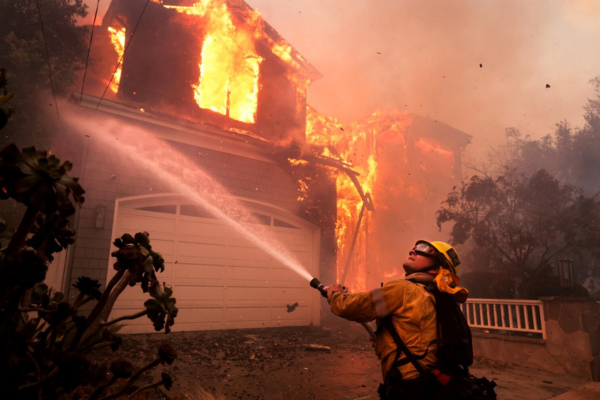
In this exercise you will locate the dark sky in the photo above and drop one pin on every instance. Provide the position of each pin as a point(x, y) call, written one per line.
point(424, 56)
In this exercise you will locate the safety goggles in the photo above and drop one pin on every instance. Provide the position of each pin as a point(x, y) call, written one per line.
point(424, 249)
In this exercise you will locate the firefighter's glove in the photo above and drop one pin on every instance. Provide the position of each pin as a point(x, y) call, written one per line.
point(336, 287)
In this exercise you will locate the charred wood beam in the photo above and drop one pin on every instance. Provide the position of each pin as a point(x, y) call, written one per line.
point(354, 237)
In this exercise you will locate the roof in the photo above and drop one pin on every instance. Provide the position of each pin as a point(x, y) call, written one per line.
point(428, 127)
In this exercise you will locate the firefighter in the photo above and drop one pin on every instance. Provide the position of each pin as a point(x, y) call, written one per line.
point(405, 311)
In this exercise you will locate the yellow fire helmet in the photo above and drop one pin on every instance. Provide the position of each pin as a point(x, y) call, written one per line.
point(446, 280)
point(445, 254)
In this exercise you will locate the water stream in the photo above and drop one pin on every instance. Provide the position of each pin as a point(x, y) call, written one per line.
point(181, 175)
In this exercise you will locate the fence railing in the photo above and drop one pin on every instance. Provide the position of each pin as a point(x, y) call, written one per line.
point(526, 316)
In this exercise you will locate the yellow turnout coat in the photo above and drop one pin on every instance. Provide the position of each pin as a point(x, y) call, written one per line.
point(412, 310)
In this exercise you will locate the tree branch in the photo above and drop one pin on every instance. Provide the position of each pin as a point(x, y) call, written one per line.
point(81, 303)
point(97, 309)
point(125, 317)
point(18, 239)
point(95, 327)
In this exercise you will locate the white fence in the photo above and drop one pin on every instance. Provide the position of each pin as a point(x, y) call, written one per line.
point(506, 315)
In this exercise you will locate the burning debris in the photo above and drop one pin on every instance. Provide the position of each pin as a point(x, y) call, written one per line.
point(117, 38)
point(419, 155)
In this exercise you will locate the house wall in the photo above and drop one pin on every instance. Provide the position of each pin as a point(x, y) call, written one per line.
point(106, 177)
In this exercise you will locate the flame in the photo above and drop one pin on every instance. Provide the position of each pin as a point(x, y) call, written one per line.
point(303, 187)
point(426, 146)
point(229, 63)
point(443, 158)
point(117, 38)
point(357, 144)
point(296, 162)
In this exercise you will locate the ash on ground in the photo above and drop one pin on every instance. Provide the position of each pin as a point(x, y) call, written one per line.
point(273, 363)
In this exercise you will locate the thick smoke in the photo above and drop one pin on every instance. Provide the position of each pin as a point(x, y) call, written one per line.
point(424, 57)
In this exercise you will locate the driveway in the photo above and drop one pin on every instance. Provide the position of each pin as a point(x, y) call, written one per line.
point(277, 363)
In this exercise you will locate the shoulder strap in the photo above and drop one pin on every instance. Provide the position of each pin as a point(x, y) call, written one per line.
point(388, 324)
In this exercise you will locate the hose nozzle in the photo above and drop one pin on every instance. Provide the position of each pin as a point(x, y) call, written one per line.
point(315, 283)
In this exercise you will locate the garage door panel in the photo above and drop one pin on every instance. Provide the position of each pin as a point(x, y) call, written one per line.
point(291, 295)
point(290, 238)
point(299, 258)
point(243, 293)
point(297, 248)
point(221, 280)
point(264, 264)
point(248, 274)
point(209, 228)
point(213, 229)
point(196, 315)
point(195, 252)
point(139, 223)
point(300, 313)
point(213, 296)
point(248, 253)
point(198, 273)
point(246, 314)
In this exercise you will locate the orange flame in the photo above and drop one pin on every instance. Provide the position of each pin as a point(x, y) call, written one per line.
point(117, 38)
point(357, 144)
point(426, 146)
point(295, 162)
point(229, 64)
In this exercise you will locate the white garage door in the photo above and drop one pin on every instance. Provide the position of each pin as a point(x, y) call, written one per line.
point(220, 279)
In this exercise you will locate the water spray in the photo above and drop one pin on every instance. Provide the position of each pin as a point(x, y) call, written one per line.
point(315, 283)
point(183, 176)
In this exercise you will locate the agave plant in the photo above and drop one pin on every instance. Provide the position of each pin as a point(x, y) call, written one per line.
point(46, 356)
point(51, 234)
point(40, 182)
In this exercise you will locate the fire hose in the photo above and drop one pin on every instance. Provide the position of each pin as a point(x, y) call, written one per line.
point(315, 283)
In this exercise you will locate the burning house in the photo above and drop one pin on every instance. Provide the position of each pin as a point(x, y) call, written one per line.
point(407, 165)
point(222, 87)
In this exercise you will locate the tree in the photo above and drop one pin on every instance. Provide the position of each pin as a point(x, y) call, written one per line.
point(525, 222)
point(570, 154)
point(23, 54)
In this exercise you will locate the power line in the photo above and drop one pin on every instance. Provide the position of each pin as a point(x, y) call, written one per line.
point(89, 50)
point(123, 55)
point(47, 57)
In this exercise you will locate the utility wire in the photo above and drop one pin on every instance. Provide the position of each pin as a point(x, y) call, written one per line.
point(89, 50)
point(37, 3)
point(124, 51)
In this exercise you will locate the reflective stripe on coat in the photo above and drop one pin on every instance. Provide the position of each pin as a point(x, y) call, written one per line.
point(413, 314)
